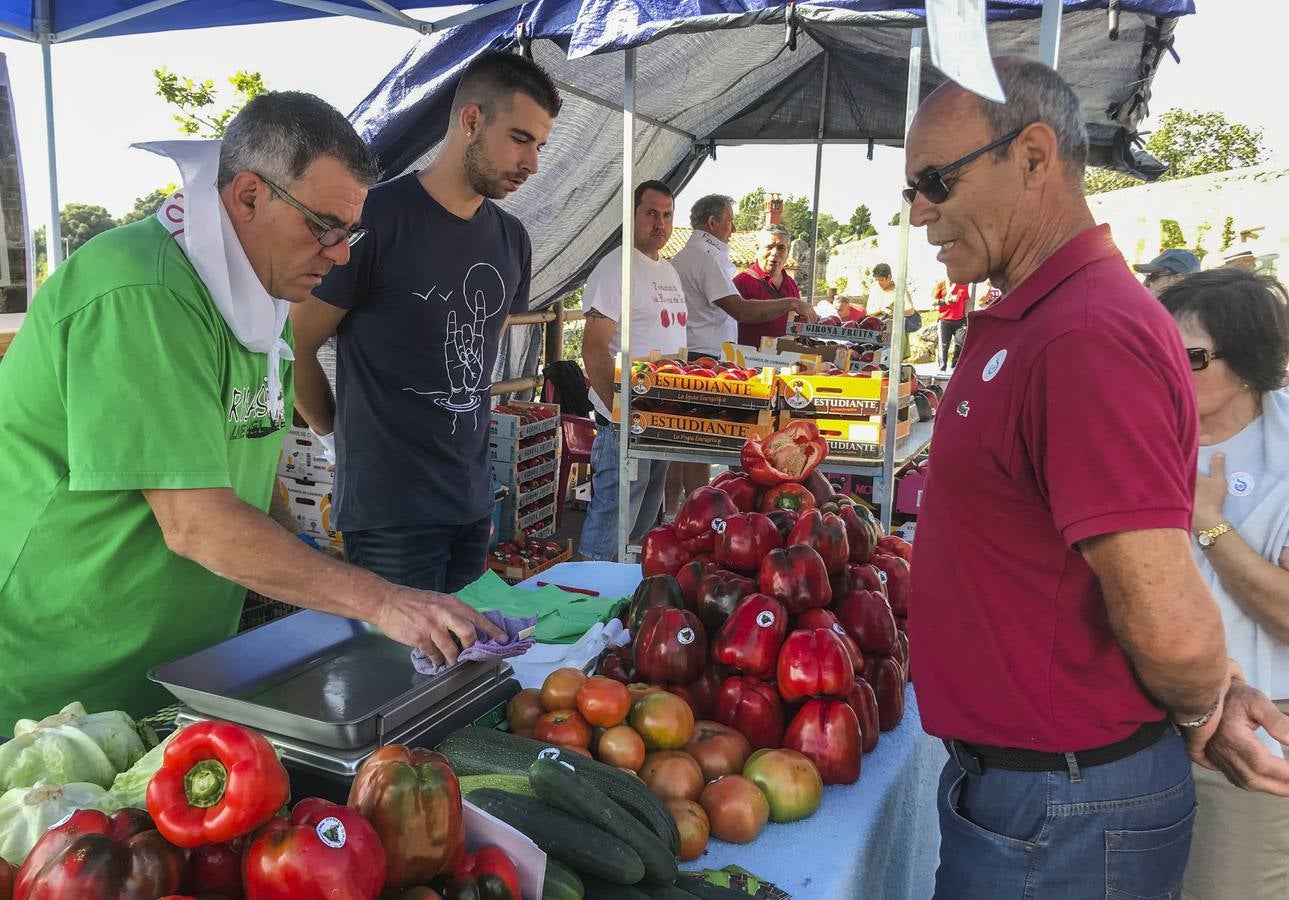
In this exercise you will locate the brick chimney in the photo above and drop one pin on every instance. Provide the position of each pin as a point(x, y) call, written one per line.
point(773, 209)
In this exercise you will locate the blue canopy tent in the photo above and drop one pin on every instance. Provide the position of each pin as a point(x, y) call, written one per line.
point(681, 79)
point(48, 22)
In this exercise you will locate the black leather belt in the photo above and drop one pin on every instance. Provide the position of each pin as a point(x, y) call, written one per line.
point(976, 757)
point(601, 421)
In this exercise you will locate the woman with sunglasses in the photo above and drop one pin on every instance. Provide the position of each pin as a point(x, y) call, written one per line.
point(1235, 326)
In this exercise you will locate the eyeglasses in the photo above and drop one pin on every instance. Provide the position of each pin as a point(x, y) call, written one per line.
point(932, 186)
point(1200, 357)
point(328, 234)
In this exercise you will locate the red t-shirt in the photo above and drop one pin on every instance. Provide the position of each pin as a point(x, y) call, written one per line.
point(754, 284)
point(1071, 415)
point(955, 306)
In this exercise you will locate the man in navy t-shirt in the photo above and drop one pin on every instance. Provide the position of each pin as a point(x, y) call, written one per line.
point(418, 314)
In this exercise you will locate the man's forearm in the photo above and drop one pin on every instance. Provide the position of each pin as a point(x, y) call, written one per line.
point(1184, 666)
point(752, 312)
point(313, 396)
point(599, 369)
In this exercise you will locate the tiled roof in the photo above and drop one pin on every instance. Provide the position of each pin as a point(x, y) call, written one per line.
point(743, 245)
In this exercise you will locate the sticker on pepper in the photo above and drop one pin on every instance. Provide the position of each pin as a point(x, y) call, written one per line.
point(331, 831)
point(765, 619)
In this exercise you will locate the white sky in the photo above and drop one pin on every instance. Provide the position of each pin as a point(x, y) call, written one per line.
point(105, 99)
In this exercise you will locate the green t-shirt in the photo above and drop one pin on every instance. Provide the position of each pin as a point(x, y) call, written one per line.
point(123, 377)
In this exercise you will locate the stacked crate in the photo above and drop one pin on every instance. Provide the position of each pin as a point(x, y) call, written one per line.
point(524, 446)
point(304, 480)
point(848, 408)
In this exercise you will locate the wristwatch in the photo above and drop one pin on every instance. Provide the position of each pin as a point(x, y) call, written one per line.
point(1208, 537)
point(1202, 720)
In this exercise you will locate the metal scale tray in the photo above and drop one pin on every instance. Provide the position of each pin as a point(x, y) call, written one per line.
point(322, 682)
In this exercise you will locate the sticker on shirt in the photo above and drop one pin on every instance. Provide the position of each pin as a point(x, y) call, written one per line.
point(993, 366)
point(1240, 484)
point(964, 408)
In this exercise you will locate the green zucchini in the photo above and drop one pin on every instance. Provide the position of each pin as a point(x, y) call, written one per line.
point(567, 838)
point(599, 889)
point(511, 784)
point(705, 890)
point(482, 751)
point(562, 787)
point(665, 892)
point(561, 883)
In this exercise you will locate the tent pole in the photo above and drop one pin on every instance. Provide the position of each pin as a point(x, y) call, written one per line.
point(1049, 38)
point(54, 237)
point(626, 465)
point(896, 352)
point(819, 165)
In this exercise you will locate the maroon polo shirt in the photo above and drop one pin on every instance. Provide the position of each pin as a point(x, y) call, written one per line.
point(754, 284)
point(1070, 415)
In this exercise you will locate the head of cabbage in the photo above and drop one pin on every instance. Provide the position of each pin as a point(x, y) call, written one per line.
point(28, 812)
point(71, 746)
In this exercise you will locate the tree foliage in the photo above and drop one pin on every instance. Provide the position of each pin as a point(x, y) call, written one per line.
point(895, 219)
point(82, 221)
point(861, 222)
point(830, 228)
point(198, 114)
point(148, 204)
point(751, 211)
point(797, 217)
point(1170, 235)
point(1190, 143)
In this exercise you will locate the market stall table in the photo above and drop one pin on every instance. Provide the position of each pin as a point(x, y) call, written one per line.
point(876, 838)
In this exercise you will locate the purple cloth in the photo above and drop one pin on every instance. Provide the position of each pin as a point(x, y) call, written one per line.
point(485, 647)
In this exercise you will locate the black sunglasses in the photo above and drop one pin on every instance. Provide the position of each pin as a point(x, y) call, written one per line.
point(328, 234)
point(1200, 357)
point(932, 186)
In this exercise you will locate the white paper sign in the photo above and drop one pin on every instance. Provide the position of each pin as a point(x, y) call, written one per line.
point(482, 830)
point(960, 45)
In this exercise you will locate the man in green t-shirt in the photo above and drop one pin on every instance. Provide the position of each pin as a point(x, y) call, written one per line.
point(142, 433)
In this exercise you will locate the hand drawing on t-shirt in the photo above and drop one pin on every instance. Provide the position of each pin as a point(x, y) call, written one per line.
point(484, 292)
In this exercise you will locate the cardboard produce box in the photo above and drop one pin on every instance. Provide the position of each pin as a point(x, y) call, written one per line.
point(310, 506)
point(512, 427)
point(858, 438)
point(717, 432)
point(502, 449)
point(302, 458)
point(848, 333)
point(861, 394)
point(681, 388)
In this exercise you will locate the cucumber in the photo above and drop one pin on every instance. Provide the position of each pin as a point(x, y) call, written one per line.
point(599, 889)
point(567, 838)
point(511, 784)
point(482, 751)
point(705, 890)
point(561, 883)
point(560, 786)
point(665, 892)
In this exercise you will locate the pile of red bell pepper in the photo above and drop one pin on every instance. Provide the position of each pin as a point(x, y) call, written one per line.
point(786, 595)
point(216, 827)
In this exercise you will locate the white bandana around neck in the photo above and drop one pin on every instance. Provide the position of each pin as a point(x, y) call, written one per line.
point(195, 217)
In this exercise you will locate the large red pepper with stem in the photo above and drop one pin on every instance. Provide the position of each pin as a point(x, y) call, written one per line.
point(753, 708)
point(827, 731)
point(826, 618)
point(743, 540)
point(813, 662)
point(750, 639)
point(93, 856)
point(742, 490)
point(896, 546)
point(861, 532)
point(323, 852)
point(796, 577)
point(217, 781)
point(789, 496)
point(789, 454)
point(826, 533)
point(694, 519)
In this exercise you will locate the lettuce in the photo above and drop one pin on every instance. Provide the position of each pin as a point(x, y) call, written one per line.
point(28, 812)
point(72, 746)
point(131, 787)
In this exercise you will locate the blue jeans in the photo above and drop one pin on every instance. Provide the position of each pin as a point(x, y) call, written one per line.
point(599, 538)
point(426, 557)
point(1119, 830)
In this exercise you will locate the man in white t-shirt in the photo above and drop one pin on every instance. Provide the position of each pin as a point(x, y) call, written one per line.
point(658, 317)
point(881, 299)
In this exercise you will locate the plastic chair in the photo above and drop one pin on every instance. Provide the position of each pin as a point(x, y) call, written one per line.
point(579, 433)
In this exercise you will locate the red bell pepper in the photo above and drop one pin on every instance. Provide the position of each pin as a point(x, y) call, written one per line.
point(702, 692)
point(864, 702)
point(661, 552)
point(827, 619)
point(888, 685)
point(719, 595)
point(790, 454)
point(750, 639)
point(215, 869)
point(8, 872)
point(324, 852)
point(742, 490)
point(861, 532)
point(413, 800)
point(826, 533)
point(488, 874)
point(814, 663)
point(867, 618)
point(743, 540)
point(654, 590)
point(797, 577)
point(217, 781)
point(784, 520)
point(790, 496)
point(93, 856)
point(867, 577)
point(896, 546)
point(617, 663)
point(671, 646)
point(752, 708)
point(827, 732)
point(896, 571)
point(695, 517)
point(689, 578)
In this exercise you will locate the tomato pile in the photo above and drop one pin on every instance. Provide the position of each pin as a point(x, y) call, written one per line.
point(528, 414)
point(701, 367)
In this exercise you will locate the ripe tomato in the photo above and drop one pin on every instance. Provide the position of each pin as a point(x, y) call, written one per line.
point(736, 809)
point(620, 746)
point(524, 709)
point(574, 748)
point(789, 780)
point(603, 701)
point(564, 726)
point(719, 749)
point(672, 775)
point(693, 825)
point(559, 690)
point(664, 721)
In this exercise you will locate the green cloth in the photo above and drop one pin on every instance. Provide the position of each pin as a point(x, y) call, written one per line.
point(123, 377)
point(562, 617)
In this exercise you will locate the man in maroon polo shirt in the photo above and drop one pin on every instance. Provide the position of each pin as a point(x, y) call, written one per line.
point(766, 280)
point(1067, 650)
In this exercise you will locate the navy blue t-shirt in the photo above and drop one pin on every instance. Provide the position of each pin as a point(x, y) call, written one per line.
point(427, 295)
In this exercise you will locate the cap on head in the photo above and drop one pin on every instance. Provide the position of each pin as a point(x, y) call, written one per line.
point(1170, 262)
